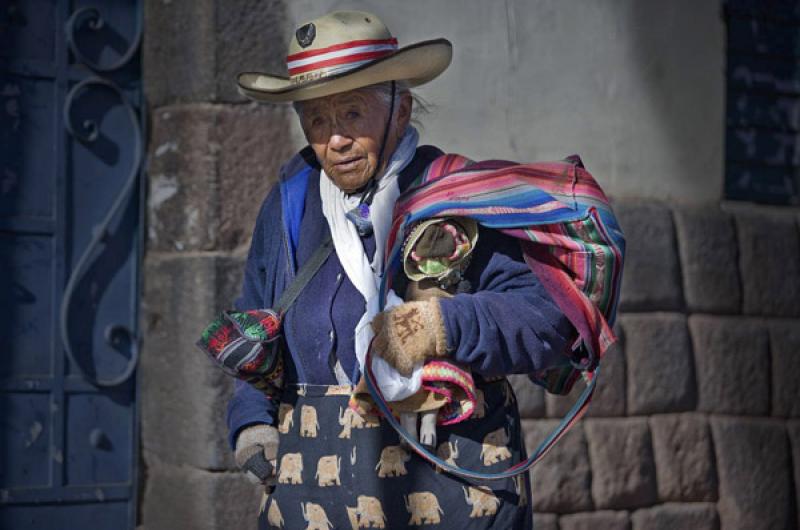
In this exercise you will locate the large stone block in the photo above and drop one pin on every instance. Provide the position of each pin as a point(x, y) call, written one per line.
point(183, 396)
point(210, 167)
point(178, 52)
point(609, 394)
point(652, 278)
point(545, 521)
point(684, 458)
point(530, 397)
point(672, 516)
point(754, 473)
point(602, 520)
point(769, 258)
point(785, 348)
point(554, 489)
point(709, 259)
point(192, 51)
point(658, 354)
point(623, 471)
point(557, 405)
point(185, 497)
point(251, 35)
point(731, 364)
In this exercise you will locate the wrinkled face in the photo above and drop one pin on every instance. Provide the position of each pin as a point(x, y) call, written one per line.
point(346, 130)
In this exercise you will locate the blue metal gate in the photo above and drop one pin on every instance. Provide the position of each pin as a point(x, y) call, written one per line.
point(70, 245)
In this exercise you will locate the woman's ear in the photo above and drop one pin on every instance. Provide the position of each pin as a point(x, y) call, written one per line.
point(404, 113)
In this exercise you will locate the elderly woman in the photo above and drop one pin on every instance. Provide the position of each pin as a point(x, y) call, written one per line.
point(334, 468)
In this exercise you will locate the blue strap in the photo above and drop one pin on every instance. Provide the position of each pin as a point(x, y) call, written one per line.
point(293, 201)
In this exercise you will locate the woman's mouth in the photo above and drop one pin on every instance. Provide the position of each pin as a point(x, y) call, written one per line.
point(347, 165)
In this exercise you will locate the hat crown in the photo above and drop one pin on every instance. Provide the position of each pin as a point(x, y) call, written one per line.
point(338, 28)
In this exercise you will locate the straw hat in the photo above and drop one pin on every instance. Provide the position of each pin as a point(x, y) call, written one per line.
point(342, 51)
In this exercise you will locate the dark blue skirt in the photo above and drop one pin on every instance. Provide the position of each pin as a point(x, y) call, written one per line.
point(337, 470)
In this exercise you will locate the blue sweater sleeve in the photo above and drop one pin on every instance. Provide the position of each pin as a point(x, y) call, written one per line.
point(249, 406)
point(508, 324)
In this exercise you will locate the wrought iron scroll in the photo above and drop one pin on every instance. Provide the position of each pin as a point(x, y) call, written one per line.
point(87, 132)
point(94, 21)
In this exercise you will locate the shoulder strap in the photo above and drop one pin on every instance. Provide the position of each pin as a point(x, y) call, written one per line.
point(304, 275)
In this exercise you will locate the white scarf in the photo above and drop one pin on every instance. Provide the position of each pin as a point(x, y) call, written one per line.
point(366, 276)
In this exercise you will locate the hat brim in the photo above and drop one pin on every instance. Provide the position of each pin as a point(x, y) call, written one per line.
point(415, 64)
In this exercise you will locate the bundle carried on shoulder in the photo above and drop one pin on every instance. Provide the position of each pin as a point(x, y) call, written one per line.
point(565, 225)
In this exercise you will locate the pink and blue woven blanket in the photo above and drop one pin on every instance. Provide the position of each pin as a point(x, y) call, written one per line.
point(565, 225)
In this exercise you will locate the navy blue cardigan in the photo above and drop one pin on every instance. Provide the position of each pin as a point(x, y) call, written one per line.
point(507, 324)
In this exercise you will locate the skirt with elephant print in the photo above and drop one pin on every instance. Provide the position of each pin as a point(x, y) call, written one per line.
point(338, 470)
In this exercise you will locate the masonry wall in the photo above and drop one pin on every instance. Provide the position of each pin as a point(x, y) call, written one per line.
point(696, 421)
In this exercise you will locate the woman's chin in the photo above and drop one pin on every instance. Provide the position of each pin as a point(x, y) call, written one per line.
point(350, 182)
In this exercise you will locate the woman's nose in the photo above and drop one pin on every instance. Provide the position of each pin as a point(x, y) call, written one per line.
point(339, 141)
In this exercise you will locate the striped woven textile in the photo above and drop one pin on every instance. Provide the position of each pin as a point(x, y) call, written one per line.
point(563, 220)
point(244, 344)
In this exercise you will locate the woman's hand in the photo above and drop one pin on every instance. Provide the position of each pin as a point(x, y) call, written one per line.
point(407, 334)
point(256, 451)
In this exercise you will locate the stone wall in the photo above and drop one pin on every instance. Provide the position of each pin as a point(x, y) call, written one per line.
point(695, 420)
point(211, 159)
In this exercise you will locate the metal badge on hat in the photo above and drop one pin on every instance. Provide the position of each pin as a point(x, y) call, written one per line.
point(305, 35)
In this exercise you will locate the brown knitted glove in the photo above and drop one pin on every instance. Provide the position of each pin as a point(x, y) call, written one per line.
point(409, 333)
point(256, 451)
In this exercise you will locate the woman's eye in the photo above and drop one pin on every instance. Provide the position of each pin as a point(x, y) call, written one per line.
point(317, 121)
point(352, 114)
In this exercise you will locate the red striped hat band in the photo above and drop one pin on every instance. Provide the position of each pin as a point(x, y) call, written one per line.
point(340, 57)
